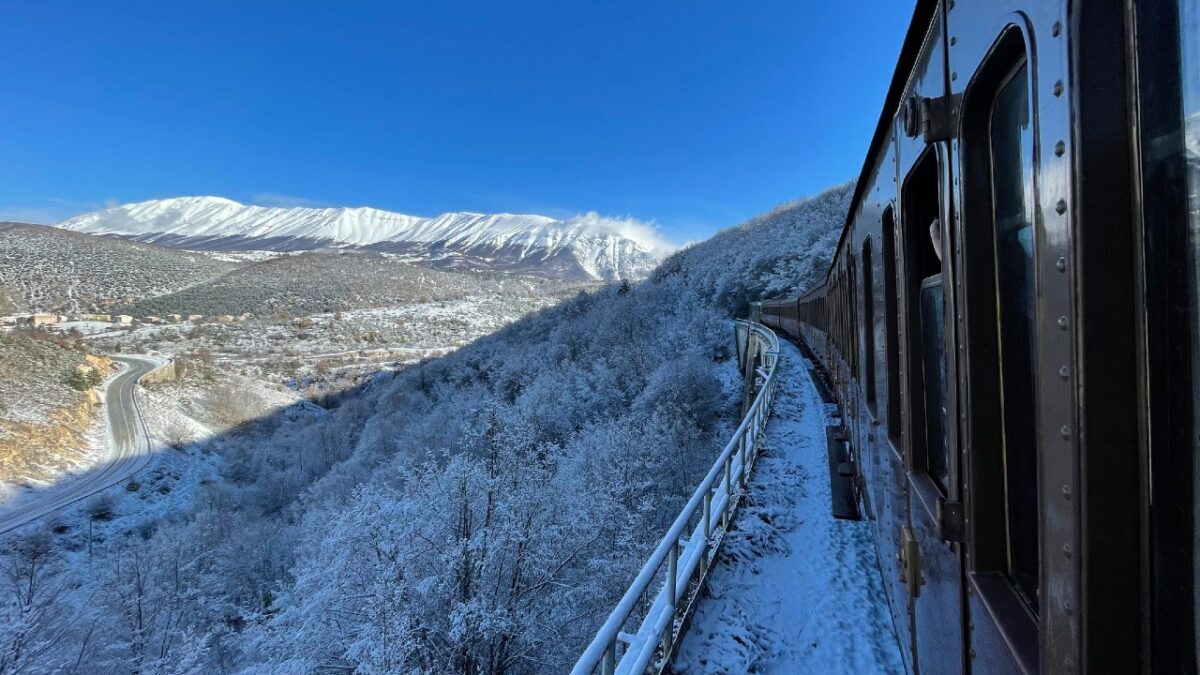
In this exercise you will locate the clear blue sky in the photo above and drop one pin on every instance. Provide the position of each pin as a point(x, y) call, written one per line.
point(693, 115)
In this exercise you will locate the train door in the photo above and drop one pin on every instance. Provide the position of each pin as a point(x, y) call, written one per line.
point(931, 549)
point(997, 271)
point(932, 564)
point(1012, 253)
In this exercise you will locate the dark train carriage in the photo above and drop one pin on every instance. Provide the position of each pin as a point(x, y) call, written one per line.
point(1011, 329)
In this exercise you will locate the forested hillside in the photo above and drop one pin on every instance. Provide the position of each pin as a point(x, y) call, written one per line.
point(783, 251)
point(479, 513)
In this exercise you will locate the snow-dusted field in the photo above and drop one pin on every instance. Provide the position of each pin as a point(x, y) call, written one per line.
point(794, 590)
point(329, 350)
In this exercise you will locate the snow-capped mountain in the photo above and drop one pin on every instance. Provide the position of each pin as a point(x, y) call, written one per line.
point(580, 247)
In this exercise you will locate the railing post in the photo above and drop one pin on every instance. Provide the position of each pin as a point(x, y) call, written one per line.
point(708, 513)
point(672, 588)
point(728, 493)
point(741, 453)
point(707, 531)
point(608, 665)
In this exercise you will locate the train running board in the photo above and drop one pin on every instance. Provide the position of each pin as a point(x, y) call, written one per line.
point(842, 474)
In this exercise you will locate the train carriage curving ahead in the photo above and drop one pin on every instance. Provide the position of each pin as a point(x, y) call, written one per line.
point(1011, 328)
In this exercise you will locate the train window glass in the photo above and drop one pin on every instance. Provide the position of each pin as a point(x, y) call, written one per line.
point(868, 286)
point(1169, 138)
point(926, 382)
point(1011, 141)
point(933, 368)
point(852, 322)
point(841, 318)
point(891, 325)
point(1189, 42)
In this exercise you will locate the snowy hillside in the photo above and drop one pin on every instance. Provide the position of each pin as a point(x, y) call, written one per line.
point(48, 270)
point(782, 252)
point(335, 281)
point(586, 246)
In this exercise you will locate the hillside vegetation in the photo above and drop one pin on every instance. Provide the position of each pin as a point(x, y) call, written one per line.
point(331, 282)
point(50, 270)
point(47, 402)
point(479, 513)
point(782, 252)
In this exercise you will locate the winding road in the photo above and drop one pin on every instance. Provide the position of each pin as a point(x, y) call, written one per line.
point(129, 449)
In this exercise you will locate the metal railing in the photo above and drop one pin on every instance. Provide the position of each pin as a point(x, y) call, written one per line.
point(706, 516)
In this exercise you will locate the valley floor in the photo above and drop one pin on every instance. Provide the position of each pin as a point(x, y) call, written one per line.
point(794, 590)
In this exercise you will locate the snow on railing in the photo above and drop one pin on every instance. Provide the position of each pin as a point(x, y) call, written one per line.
point(707, 516)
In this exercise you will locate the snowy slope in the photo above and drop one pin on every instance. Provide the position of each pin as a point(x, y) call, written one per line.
point(583, 246)
point(49, 270)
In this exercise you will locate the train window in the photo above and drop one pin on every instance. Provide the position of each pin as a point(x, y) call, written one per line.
point(852, 323)
point(868, 325)
point(891, 326)
point(1011, 138)
point(1189, 32)
point(1169, 128)
point(933, 362)
point(927, 385)
point(1000, 252)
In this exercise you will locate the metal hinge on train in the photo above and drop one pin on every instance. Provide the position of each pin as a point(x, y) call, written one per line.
point(934, 118)
point(909, 557)
point(952, 522)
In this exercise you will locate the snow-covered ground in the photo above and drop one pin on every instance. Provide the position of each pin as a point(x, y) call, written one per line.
point(794, 590)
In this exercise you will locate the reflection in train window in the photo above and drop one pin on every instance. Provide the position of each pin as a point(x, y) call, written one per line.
point(1011, 140)
point(933, 362)
point(868, 286)
point(1189, 47)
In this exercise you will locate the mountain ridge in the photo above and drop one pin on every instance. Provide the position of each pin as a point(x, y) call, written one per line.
point(586, 245)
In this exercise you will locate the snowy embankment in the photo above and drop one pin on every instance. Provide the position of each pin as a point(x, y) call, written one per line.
point(794, 590)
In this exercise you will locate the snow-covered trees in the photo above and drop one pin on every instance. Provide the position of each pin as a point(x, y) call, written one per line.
point(780, 252)
point(462, 565)
point(32, 624)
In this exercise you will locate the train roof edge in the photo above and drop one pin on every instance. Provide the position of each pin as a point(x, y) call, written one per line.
point(923, 13)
